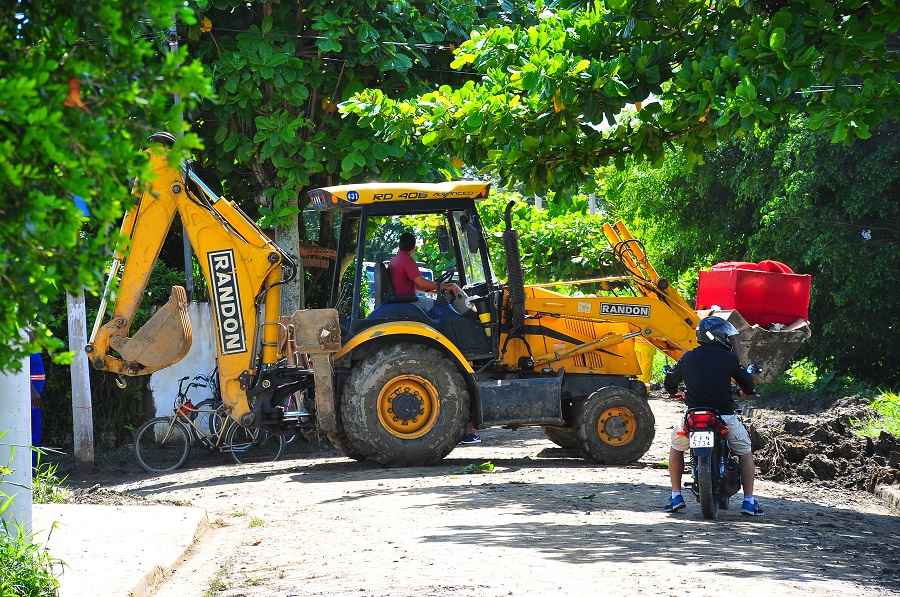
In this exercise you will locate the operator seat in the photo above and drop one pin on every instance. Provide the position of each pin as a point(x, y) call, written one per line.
point(384, 287)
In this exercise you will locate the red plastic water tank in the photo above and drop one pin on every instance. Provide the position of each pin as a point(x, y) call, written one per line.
point(765, 293)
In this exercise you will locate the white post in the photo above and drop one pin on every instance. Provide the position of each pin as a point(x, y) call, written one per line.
point(538, 202)
point(82, 412)
point(15, 446)
point(592, 204)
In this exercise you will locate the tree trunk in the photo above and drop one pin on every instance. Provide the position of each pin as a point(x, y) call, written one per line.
point(288, 238)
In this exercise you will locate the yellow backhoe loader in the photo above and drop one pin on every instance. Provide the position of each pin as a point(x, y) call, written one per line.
point(399, 384)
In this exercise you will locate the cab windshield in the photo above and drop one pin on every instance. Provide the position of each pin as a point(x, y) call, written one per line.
point(470, 253)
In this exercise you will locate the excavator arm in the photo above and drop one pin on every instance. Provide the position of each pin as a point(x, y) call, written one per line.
point(242, 268)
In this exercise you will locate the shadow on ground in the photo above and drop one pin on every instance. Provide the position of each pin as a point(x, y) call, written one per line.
point(796, 541)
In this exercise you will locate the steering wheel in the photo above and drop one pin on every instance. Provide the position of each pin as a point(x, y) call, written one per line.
point(446, 275)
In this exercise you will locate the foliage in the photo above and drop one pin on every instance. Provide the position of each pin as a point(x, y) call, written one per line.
point(81, 85)
point(26, 569)
point(550, 104)
point(47, 487)
point(789, 195)
point(887, 419)
point(280, 71)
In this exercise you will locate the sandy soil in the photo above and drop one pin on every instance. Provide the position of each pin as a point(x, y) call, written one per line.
point(543, 523)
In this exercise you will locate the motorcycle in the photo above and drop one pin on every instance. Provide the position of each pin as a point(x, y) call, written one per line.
point(715, 469)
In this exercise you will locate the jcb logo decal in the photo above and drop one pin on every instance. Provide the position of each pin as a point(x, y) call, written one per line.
point(627, 310)
point(228, 302)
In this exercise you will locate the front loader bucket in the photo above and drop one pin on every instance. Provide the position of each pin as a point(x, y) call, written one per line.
point(771, 350)
point(164, 340)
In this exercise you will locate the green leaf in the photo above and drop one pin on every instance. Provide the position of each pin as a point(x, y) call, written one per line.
point(840, 132)
point(429, 138)
point(266, 24)
point(776, 39)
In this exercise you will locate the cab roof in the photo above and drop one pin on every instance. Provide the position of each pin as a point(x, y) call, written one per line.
point(357, 195)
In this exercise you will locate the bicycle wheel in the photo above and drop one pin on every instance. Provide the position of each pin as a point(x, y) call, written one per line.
point(253, 444)
point(161, 445)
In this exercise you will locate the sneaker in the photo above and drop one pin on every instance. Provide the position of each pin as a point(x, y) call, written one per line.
point(470, 439)
point(751, 508)
point(676, 504)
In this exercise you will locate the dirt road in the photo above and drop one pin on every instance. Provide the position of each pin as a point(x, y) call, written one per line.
point(541, 524)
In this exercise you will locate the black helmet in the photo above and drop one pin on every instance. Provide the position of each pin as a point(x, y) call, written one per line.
point(715, 329)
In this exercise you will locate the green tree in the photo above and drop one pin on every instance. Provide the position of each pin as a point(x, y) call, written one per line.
point(280, 70)
point(791, 195)
point(550, 104)
point(81, 86)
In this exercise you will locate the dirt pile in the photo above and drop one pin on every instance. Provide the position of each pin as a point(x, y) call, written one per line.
point(823, 449)
point(98, 495)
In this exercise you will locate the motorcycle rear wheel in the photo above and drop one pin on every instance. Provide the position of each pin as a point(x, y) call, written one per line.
point(706, 494)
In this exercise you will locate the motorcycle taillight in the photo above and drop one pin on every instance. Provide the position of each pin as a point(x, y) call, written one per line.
point(701, 420)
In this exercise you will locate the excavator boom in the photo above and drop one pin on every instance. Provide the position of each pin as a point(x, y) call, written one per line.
point(242, 268)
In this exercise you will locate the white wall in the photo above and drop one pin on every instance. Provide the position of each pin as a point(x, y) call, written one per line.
point(200, 359)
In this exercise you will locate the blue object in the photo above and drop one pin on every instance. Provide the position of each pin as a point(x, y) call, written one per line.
point(81, 205)
point(676, 504)
point(751, 508)
point(38, 374)
point(471, 439)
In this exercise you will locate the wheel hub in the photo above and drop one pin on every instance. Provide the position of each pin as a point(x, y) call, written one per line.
point(616, 426)
point(408, 406)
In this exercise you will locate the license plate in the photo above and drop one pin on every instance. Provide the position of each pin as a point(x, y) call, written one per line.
point(702, 439)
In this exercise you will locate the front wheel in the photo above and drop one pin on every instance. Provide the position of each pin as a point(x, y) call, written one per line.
point(405, 405)
point(162, 445)
point(614, 426)
point(706, 494)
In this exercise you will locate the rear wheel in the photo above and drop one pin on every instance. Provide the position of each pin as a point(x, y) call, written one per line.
point(705, 493)
point(564, 437)
point(253, 444)
point(162, 445)
point(614, 426)
point(405, 405)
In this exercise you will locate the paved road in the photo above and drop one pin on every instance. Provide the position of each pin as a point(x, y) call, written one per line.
point(541, 524)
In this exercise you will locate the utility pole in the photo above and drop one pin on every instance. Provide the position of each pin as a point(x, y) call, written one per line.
point(82, 409)
point(15, 447)
point(185, 242)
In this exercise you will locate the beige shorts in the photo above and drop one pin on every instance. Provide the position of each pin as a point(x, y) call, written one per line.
point(738, 438)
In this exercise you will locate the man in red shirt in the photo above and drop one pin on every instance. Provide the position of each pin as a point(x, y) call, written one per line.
point(406, 277)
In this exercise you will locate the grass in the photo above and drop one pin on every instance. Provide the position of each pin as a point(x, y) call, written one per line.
point(216, 583)
point(47, 486)
point(887, 418)
point(26, 568)
point(256, 522)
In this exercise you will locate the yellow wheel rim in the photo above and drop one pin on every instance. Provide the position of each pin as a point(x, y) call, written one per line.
point(408, 406)
point(616, 426)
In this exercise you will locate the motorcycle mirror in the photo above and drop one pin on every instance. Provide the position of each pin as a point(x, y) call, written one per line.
point(443, 240)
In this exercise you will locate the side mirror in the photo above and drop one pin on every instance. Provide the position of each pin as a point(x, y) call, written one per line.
point(443, 240)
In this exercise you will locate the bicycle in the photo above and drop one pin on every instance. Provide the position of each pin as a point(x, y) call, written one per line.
point(163, 444)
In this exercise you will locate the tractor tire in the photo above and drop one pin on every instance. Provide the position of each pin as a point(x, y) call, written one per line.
point(564, 437)
point(405, 405)
point(341, 443)
point(614, 426)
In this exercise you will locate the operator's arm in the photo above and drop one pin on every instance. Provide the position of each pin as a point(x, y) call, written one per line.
point(673, 378)
point(426, 285)
point(743, 379)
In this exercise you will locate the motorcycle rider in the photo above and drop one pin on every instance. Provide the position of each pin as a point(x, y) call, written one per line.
point(707, 372)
